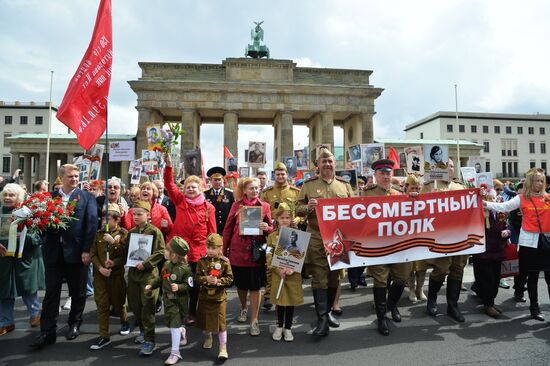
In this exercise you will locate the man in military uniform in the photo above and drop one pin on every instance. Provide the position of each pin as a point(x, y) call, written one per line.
point(278, 193)
point(220, 197)
point(383, 172)
point(324, 281)
point(451, 267)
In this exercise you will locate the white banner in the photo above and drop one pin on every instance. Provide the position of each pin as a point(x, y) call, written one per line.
point(122, 150)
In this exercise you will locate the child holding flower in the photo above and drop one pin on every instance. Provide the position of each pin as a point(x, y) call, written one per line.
point(213, 275)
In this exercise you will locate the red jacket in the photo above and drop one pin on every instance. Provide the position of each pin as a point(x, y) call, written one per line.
point(158, 212)
point(239, 247)
point(193, 223)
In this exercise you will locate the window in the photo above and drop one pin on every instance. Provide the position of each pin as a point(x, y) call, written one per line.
point(508, 130)
point(461, 128)
point(531, 130)
point(449, 128)
point(543, 147)
point(38, 120)
point(520, 130)
point(543, 165)
point(542, 131)
point(515, 169)
point(532, 164)
point(486, 146)
point(504, 172)
point(515, 152)
point(6, 164)
point(487, 166)
point(23, 120)
point(6, 135)
point(497, 129)
point(421, 135)
point(473, 129)
point(503, 152)
point(8, 120)
point(485, 129)
point(531, 148)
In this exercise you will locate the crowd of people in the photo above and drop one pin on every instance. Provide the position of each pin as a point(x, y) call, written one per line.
point(197, 249)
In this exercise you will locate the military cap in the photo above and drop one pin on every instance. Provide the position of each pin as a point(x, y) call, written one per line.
point(412, 180)
point(214, 240)
point(113, 208)
point(280, 166)
point(178, 246)
point(216, 172)
point(362, 179)
point(142, 204)
point(385, 165)
point(324, 152)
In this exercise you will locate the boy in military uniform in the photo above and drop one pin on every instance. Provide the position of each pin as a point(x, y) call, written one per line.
point(280, 192)
point(383, 172)
point(213, 275)
point(140, 303)
point(108, 255)
point(451, 267)
point(175, 279)
point(324, 282)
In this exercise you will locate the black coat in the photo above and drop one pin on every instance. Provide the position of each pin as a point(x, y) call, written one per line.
point(222, 203)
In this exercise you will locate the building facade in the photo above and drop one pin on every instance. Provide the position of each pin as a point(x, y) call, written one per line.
point(512, 143)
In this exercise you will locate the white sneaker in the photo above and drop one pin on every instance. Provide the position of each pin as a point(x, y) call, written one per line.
point(243, 316)
point(412, 296)
point(183, 339)
point(289, 337)
point(67, 305)
point(277, 334)
point(254, 329)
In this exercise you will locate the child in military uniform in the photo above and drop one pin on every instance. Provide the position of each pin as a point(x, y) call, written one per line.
point(108, 255)
point(291, 293)
point(176, 278)
point(140, 303)
point(213, 275)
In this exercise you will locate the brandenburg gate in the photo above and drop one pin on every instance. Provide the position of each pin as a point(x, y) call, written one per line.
point(256, 91)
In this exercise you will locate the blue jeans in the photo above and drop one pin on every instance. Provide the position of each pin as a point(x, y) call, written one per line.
point(90, 283)
point(7, 305)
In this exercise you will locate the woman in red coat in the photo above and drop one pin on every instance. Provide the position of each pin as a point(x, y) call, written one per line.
point(249, 276)
point(195, 220)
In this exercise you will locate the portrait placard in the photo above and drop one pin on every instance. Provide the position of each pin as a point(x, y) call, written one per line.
point(415, 160)
point(484, 178)
point(139, 248)
point(350, 175)
point(244, 172)
point(370, 154)
point(256, 154)
point(436, 157)
point(290, 163)
point(291, 249)
point(468, 176)
point(355, 153)
point(478, 163)
point(250, 218)
point(301, 158)
point(153, 137)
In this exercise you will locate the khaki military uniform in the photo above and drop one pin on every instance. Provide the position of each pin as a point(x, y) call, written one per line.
point(292, 293)
point(109, 291)
point(399, 271)
point(211, 311)
point(176, 304)
point(316, 256)
point(276, 195)
point(453, 266)
point(143, 304)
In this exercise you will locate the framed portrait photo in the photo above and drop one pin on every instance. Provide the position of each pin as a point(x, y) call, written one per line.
point(139, 248)
point(250, 218)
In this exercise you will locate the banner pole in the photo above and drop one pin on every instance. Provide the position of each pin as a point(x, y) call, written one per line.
point(107, 170)
point(47, 172)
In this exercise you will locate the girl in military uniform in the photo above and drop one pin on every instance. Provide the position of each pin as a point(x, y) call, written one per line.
point(292, 293)
point(108, 255)
point(176, 279)
point(213, 275)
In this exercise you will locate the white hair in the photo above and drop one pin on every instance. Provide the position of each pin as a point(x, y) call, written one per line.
point(14, 188)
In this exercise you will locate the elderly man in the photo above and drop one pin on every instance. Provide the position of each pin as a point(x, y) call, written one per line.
point(383, 172)
point(324, 281)
point(279, 192)
point(66, 254)
point(219, 196)
point(450, 267)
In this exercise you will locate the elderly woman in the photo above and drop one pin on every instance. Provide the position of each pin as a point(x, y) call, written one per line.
point(114, 187)
point(249, 276)
point(533, 257)
point(19, 276)
point(159, 215)
point(195, 220)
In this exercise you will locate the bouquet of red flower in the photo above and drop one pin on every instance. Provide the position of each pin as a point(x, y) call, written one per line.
point(40, 212)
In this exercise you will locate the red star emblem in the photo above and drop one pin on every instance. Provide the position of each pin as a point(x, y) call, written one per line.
point(338, 249)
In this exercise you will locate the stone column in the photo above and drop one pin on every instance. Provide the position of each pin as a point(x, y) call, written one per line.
point(27, 179)
point(321, 131)
point(144, 118)
point(286, 137)
point(231, 133)
point(190, 122)
point(41, 171)
point(353, 133)
point(367, 128)
point(327, 126)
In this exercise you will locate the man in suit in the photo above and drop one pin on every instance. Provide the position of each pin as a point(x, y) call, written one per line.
point(219, 196)
point(66, 254)
point(165, 200)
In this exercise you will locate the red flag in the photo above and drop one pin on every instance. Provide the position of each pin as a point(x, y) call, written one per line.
point(226, 153)
point(393, 156)
point(84, 106)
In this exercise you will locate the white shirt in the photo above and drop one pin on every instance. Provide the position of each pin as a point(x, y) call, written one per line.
point(65, 197)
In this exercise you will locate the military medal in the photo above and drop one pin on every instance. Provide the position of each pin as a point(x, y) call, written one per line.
point(218, 266)
point(173, 277)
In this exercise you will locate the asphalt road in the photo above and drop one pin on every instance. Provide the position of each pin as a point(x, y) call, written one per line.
point(514, 339)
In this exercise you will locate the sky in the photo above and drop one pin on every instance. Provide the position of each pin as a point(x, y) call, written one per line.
point(494, 50)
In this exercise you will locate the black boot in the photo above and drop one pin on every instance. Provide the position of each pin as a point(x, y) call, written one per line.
point(321, 308)
point(331, 295)
point(433, 289)
point(535, 312)
point(393, 297)
point(380, 306)
point(453, 293)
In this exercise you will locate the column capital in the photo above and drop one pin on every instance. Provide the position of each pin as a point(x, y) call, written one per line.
point(231, 111)
point(143, 109)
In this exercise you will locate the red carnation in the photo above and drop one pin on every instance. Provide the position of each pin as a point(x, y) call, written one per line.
point(56, 221)
point(214, 273)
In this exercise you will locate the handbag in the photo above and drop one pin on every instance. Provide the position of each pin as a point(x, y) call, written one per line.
point(510, 264)
point(544, 240)
point(258, 251)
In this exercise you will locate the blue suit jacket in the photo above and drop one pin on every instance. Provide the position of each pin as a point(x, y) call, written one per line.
point(78, 237)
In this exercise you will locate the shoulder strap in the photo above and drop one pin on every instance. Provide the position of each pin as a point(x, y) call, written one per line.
point(537, 213)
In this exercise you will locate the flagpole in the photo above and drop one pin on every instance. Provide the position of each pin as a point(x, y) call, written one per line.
point(47, 172)
point(457, 132)
point(107, 169)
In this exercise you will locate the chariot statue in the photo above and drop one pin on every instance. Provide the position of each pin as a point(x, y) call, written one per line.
point(257, 49)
